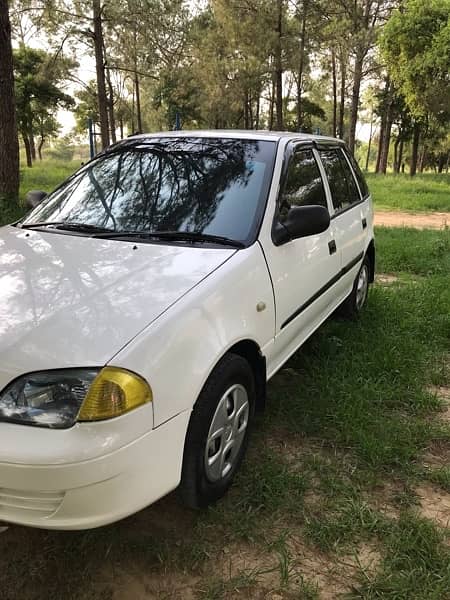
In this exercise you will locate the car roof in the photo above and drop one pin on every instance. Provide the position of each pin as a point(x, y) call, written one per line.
point(245, 134)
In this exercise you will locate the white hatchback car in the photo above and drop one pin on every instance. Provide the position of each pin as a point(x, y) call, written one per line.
point(145, 303)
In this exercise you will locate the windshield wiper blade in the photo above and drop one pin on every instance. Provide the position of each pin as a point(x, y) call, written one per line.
point(40, 224)
point(188, 236)
point(69, 226)
point(104, 232)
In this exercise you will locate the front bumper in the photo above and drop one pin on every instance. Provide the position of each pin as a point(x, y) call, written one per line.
point(91, 492)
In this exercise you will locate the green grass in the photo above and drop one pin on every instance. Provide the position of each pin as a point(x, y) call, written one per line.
point(347, 422)
point(46, 176)
point(413, 251)
point(416, 565)
point(423, 193)
point(440, 476)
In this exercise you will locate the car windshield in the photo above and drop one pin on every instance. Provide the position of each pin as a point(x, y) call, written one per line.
point(211, 186)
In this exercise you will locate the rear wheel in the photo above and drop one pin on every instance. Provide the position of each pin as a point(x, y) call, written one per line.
point(354, 303)
point(218, 432)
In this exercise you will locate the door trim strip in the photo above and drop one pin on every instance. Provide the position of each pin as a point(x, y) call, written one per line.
point(323, 289)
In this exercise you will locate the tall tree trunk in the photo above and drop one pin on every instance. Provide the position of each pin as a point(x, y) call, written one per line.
point(370, 140)
point(441, 162)
point(246, 115)
point(334, 80)
point(26, 143)
point(272, 105)
point(258, 108)
point(380, 142)
point(386, 139)
point(111, 115)
point(385, 147)
point(138, 102)
point(9, 143)
point(400, 156)
point(279, 67)
point(383, 124)
point(301, 64)
point(40, 145)
point(133, 109)
point(343, 68)
point(250, 110)
point(137, 87)
point(415, 149)
point(100, 70)
point(121, 127)
point(396, 160)
point(357, 77)
point(31, 138)
point(422, 158)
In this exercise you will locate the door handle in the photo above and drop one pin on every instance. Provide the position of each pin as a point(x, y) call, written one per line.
point(332, 247)
point(364, 223)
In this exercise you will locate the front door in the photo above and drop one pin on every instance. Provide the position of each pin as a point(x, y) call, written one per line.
point(303, 269)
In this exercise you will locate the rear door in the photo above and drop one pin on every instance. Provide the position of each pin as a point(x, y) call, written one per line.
point(348, 223)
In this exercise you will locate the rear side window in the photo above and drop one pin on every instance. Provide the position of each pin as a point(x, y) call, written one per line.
point(358, 174)
point(343, 187)
point(304, 185)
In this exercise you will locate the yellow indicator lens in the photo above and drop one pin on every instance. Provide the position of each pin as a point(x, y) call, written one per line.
point(112, 393)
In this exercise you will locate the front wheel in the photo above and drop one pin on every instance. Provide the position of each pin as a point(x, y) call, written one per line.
point(354, 303)
point(217, 435)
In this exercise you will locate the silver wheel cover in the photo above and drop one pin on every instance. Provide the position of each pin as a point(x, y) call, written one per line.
point(362, 287)
point(226, 433)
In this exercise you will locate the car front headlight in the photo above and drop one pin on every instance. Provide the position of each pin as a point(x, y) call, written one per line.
point(57, 399)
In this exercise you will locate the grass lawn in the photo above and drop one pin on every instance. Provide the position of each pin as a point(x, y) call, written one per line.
point(46, 175)
point(346, 489)
point(427, 192)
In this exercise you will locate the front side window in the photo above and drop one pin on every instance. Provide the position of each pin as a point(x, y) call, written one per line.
point(193, 185)
point(343, 188)
point(304, 185)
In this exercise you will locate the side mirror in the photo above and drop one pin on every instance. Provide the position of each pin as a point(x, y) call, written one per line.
point(301, 221)
point(34, 197)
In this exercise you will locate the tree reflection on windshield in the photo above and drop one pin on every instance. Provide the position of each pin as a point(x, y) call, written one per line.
point(202, 185)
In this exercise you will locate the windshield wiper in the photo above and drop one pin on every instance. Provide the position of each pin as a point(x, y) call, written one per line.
point(68, 226)
point(104, 232)
point(188, 236)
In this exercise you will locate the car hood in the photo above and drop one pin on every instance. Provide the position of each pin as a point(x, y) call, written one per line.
point(68, 300)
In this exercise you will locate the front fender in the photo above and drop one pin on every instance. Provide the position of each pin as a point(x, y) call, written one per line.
point(178, 351)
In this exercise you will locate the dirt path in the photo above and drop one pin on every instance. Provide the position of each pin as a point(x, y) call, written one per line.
point(435, 220)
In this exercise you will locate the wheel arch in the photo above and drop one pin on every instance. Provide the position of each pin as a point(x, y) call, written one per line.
point(251, 352)
point(370, 253)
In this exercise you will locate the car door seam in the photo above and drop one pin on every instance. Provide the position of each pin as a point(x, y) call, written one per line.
point(273, 289)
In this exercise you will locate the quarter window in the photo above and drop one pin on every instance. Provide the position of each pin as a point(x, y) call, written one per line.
point(304, 185)
point(344, 191)
point(358, 174)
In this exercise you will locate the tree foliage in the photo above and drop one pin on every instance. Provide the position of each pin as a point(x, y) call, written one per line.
point(301, 65)
point(416, 47)
point(38, 79)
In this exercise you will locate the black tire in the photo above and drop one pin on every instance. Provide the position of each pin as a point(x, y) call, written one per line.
point(353, 304)
point(197, 490)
